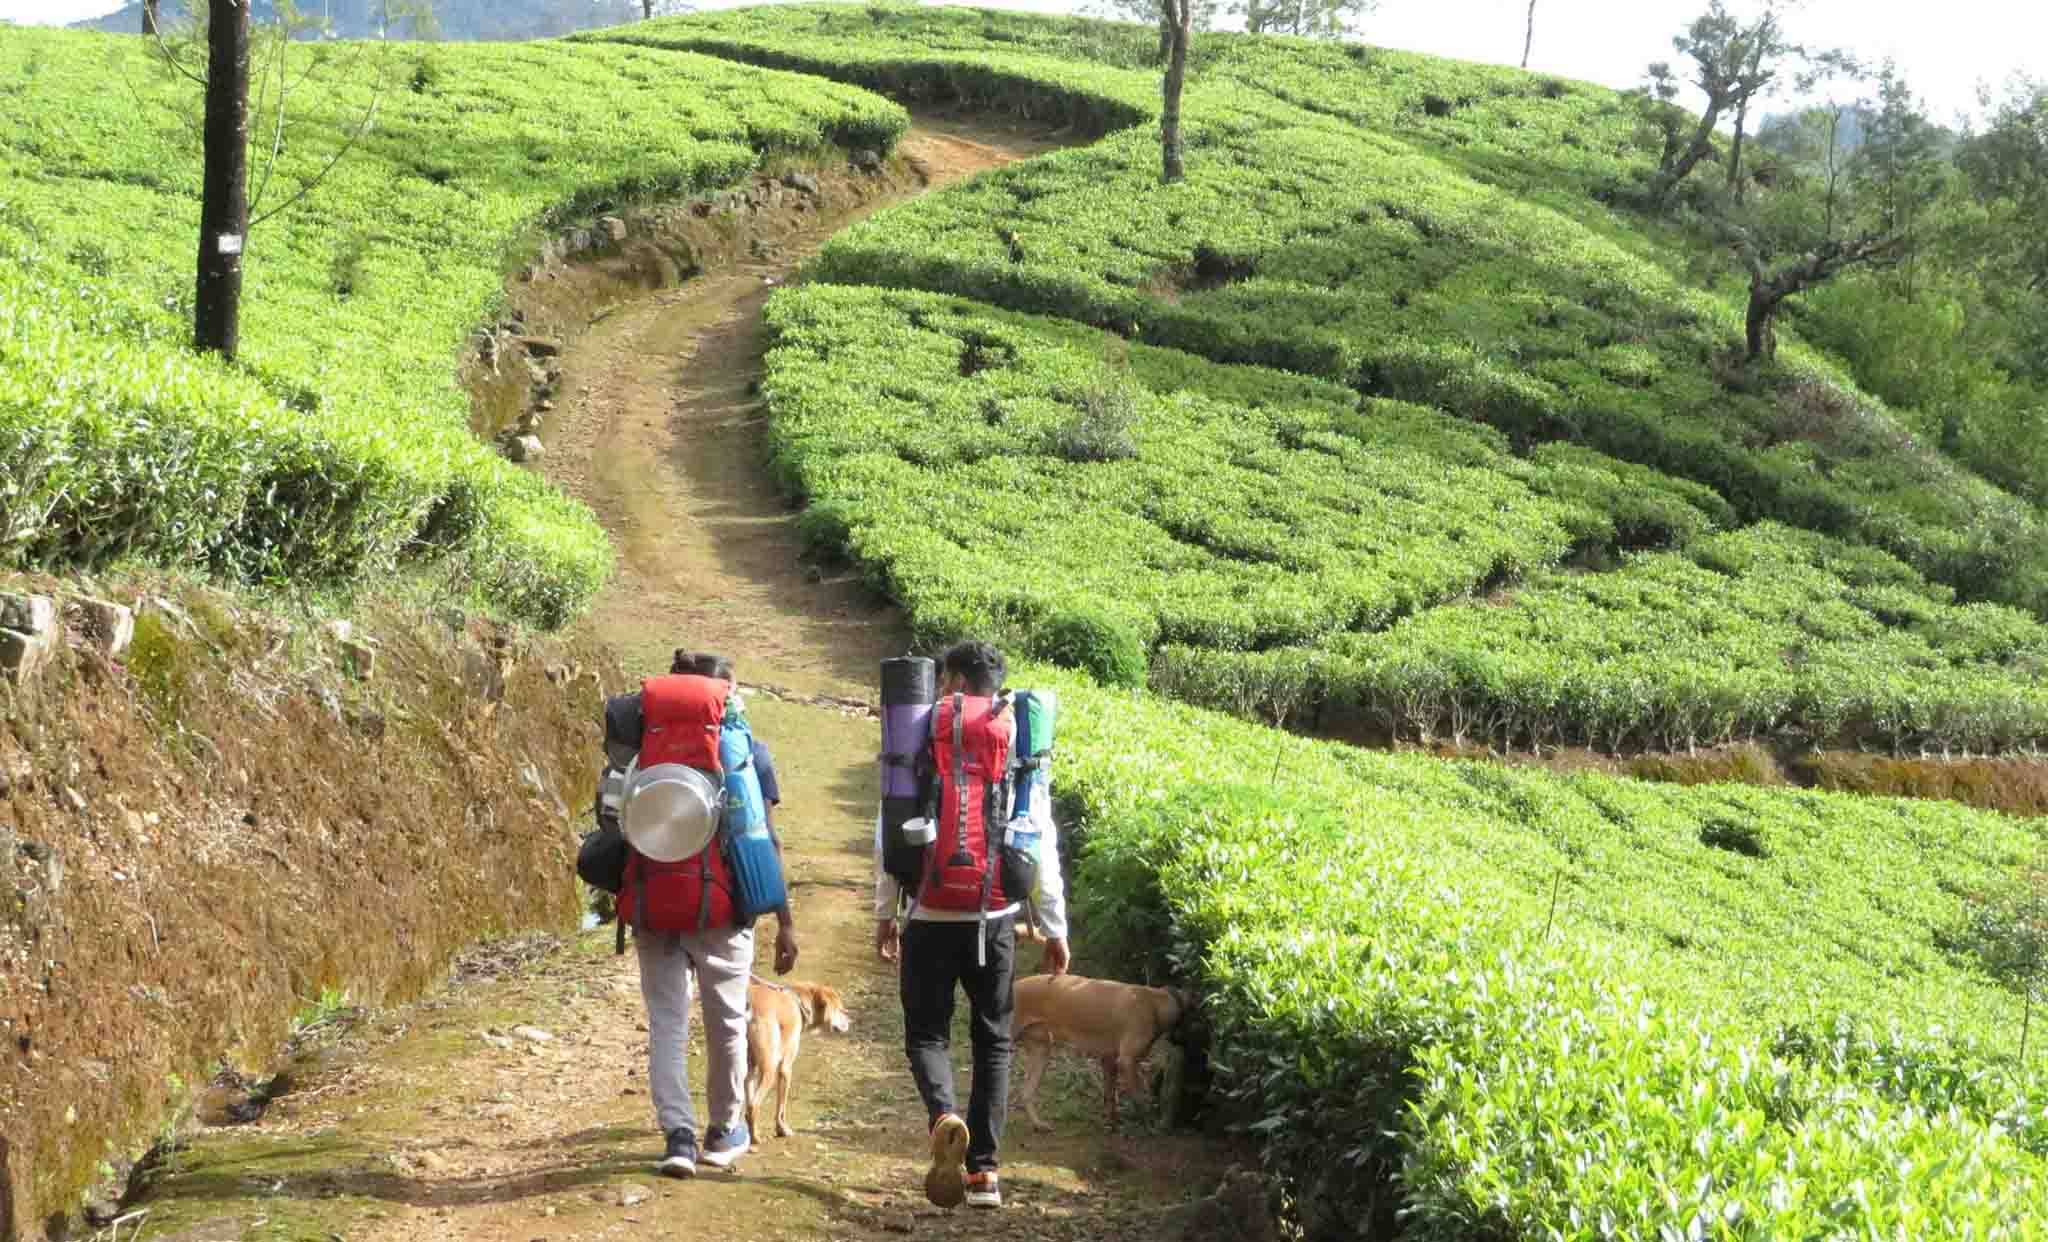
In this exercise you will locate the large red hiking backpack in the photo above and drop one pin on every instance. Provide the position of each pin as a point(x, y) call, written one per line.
point(681, 715)
point(971, 749)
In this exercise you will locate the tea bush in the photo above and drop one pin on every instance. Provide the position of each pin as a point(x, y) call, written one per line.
point(1674, 651)
point(1262, 520)
point(1275, 511)
point(1094, 641)
point(1511, 1004)
point(338, 442)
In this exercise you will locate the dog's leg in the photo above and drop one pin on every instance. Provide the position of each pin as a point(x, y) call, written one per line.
point(1128, 1057)
point(788, 1071)
point(1109, 1090)
point(760, 1064)
point(1036, 1050)
point(753, 1083)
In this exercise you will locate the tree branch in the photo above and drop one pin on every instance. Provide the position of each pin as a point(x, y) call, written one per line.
point(361, 128)
point(277, 131)
point(1828, 259)
point(171, 59)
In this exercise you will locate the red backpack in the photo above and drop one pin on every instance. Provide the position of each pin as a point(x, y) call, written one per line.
point(680, 717)
point(971, 749)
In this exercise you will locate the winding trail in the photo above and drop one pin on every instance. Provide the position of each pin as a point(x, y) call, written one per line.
point(440, 1121)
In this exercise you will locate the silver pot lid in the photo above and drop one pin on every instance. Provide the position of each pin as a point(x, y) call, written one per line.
point(671, 811)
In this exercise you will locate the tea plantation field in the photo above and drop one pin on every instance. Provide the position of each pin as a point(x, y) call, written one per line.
point(1540, 1006)
point(1517, 387)
point(1387, 408)
point(337, 445)
point(1392, 406)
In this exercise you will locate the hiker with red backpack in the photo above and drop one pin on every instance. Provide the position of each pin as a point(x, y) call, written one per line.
point(701, 863)
point(961, 872)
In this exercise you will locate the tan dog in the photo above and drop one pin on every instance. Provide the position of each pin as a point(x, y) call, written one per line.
point(1115, 1023)
point(778, 1014)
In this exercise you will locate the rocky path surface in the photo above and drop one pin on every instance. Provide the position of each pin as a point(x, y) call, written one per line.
point(511, 1105)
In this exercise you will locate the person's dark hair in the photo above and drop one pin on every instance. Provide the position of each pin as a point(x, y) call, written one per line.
point(979, 664)
point(701, 663)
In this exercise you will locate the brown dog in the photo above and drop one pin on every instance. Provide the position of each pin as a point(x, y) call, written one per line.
point(778, 1014)
point(1115, 1023)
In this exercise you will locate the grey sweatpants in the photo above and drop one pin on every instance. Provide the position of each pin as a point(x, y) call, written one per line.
point(718, 962)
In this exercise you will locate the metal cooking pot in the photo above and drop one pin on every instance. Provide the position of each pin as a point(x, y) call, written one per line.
point(671, 810)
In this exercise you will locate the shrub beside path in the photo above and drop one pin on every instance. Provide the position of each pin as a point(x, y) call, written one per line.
point(511, 1105)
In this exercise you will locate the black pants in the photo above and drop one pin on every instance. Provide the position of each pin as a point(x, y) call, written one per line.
point(936, 957)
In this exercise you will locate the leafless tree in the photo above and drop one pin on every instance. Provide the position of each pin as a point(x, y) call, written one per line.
point(224, 189)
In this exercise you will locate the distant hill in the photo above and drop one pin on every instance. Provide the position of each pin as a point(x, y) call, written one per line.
point(1780, 132)
point(1779, 129)
point(454, 19)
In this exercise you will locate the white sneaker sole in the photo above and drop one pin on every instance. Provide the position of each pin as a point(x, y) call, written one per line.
point(721, 1160)
point(676, 1168)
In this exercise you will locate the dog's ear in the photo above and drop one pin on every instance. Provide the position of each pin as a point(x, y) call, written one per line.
point(818, 1002)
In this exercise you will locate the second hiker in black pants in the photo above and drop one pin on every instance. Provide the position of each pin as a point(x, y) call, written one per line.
point(962, 928)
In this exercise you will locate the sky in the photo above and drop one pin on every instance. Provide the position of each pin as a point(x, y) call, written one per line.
point(1945, 48)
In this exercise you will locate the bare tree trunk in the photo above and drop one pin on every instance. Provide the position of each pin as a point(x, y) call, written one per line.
point(646, 10)
point(149, 26)
point(224, 197)
point(1760, 337)
point(1735, 151)
point(1165, 32)
point(1834, 167)
point(1529, 38)
point(1701, 146)
point(1182, 14)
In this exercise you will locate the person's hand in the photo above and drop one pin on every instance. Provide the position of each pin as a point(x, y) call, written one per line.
point(1056, 957)
point(887, 939)
point(785, 949)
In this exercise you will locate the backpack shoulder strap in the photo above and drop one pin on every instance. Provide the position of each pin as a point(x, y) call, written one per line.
point(959, 766)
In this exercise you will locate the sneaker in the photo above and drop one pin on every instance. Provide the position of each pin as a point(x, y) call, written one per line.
point(681, 1160)
point(724, 1145)
point(983, 1191)
point(946, 1184)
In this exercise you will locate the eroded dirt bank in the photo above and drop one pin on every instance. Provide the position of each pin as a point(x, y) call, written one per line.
point(240, 813)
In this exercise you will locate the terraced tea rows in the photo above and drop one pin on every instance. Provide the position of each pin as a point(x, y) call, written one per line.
point(1414, 228)
point(1398, 228)
point(338, 443)
point(1545, 1003)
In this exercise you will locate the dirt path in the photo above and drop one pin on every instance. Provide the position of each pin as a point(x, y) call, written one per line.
point(663, 439)
point(511, 1107)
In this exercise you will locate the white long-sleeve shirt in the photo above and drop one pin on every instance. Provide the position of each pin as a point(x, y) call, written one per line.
point(1050, 905)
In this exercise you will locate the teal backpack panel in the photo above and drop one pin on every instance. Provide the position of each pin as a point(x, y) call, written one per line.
point(758, 886)
point(1031, 755)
